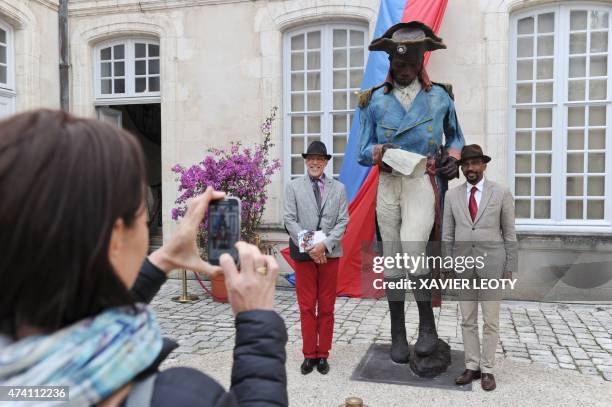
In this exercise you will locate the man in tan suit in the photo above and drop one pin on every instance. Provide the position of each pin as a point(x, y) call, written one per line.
point(479, 221)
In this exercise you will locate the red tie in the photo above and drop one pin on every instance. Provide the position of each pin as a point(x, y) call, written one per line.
point(472, 205)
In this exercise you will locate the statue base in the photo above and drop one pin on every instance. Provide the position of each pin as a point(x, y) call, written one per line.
point(431, 365)
point(377, 367)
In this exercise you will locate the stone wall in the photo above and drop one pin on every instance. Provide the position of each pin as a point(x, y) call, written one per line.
point(35, 27)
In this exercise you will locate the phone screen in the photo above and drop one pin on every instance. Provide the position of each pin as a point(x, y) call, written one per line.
point(223, 228)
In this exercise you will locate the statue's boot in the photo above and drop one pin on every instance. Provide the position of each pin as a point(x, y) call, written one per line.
point(399, 344)
point(427, 341)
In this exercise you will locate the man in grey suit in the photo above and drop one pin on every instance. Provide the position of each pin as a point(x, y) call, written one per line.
point(316, 202)
point(479, 221)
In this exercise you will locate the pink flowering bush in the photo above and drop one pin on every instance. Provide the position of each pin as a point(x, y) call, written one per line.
point(243, 172)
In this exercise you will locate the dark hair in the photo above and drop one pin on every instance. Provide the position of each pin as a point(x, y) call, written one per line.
point(64, 181)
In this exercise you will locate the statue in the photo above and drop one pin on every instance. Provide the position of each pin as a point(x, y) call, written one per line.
point(402, 126)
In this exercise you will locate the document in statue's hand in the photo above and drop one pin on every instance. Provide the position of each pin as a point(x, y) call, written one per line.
point(402, 161)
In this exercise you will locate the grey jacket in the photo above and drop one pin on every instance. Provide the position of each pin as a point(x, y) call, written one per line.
point(301, 211)
point(492, 234)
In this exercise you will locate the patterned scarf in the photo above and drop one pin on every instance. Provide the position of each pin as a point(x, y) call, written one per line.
point(94, 357)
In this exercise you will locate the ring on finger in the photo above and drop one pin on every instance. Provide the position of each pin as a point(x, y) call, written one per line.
point(263, 270)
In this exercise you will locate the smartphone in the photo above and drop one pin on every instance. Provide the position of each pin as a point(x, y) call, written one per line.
point(223, 228)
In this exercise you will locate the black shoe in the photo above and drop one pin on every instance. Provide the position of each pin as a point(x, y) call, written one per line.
point(323, 366)
point(308, 365)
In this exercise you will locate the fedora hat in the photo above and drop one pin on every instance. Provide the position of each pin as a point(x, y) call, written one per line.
point(317, 148)
point(473, 151)
point(403, 39)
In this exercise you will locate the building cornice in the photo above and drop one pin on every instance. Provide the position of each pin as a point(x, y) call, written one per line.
point(50, 4)
point(82, 8)
point(18, 15)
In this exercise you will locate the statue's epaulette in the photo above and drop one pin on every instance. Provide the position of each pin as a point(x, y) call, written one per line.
point(366, 95)
point(447, 87)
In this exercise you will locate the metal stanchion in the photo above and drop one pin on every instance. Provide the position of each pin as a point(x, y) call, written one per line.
point(185, 298)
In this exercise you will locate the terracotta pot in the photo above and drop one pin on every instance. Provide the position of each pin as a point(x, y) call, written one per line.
point(218, 288)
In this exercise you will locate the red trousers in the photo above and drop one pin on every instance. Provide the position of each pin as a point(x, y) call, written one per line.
point(315, 286)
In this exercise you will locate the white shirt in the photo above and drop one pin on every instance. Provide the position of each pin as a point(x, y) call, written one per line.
point(478, 193)
point(406, 94)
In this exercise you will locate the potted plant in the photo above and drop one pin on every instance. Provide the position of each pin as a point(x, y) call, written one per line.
point(240, 171)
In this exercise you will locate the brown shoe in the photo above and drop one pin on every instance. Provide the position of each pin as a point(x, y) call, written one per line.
point(488, 382)
point(467, 376)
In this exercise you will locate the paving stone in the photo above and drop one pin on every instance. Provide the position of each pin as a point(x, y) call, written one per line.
point(514, 349)
point(543, 359)
point(568, 342)
point(537, 346)
point(548, 340)
point(589, 370)
point(518, 354)
point(582, 362)
point(570, 366)
point(565, 359)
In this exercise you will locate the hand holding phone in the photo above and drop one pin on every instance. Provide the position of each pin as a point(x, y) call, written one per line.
point(181, 250)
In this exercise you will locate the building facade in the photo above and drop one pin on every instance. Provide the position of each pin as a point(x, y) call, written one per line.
point(28, 55)
point(530, 79)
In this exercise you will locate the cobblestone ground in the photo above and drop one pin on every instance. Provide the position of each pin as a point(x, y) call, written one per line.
point(561, 336)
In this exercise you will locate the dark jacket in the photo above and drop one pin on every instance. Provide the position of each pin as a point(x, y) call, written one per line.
point(258, 373)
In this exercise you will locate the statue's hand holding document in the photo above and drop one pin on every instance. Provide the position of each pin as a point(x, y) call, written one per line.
point(403, 162)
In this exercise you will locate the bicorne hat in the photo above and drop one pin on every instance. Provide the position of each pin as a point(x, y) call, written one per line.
point(407, 39)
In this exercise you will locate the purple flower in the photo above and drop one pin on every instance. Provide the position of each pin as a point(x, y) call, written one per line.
point(243, 172)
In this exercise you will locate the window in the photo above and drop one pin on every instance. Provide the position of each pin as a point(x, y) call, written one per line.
point(560, 101)
point(7, 69)
point(127, 68)
point(323, 69)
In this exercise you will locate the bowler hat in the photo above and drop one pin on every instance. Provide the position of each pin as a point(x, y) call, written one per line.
point(473, 151)
point(403, 39)
point(317, 148)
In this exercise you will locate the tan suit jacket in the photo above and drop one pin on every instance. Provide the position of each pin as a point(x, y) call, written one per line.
point(492, 233)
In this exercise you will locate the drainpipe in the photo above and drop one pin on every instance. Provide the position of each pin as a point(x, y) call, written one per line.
point(64, 65)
